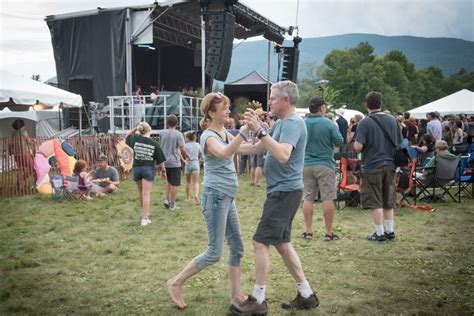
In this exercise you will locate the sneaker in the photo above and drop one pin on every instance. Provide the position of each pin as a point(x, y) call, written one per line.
point(249, 307)
point(302, 303)
point(376, 237)
point(390, 236)
point(174, 207)
point(166, 202)
point(88, 197)
point(331, 237)
point(145, 222)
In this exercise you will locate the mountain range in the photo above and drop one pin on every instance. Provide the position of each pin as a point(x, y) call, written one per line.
point(448, 54)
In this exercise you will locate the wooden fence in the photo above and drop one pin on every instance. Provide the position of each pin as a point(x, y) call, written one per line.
point(17, 175)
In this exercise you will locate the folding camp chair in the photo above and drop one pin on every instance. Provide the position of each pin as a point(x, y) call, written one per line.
point(466, 176)
point(350, 193)
point(72, 189)
point(444, 178)
point(405, 180)
point(58, 187)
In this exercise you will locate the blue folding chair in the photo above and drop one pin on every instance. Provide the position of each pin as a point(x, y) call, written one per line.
point(466, 176)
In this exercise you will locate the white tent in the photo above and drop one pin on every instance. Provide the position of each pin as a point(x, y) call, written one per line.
point(18, 94)
point(348, 113)
point(461, 102)
point(42, 123)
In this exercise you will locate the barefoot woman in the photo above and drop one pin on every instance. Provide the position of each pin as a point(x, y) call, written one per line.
point(218, 207)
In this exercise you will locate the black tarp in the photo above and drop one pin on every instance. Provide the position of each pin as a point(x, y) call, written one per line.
point(155, 115)
point(91, 48)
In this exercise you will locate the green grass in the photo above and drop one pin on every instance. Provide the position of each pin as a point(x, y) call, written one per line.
point(92, 257)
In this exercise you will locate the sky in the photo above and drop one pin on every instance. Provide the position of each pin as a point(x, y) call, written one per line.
point(25, 42)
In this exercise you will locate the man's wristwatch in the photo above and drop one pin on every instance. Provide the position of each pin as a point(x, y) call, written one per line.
point(261, 133)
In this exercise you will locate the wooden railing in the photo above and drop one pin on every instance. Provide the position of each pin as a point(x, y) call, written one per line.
point(17, 175)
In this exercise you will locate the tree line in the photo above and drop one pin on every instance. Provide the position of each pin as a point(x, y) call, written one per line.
point(354, 72)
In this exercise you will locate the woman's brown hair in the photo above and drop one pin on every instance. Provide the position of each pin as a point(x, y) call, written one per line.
point(209, 104)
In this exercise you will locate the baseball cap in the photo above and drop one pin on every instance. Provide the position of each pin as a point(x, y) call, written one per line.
point(102, 158)
point(441, 144)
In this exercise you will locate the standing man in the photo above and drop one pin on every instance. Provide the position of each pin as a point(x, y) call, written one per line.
point(378, 166)
point(319, 174)
point(434, 126)
point(172, 144)
point(285, 144)
point(342, 124)
point(108, 175)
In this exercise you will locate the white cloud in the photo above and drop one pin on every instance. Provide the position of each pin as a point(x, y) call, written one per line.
point(25, 42)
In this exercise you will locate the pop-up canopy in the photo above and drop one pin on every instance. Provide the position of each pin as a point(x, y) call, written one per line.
point(18, 94)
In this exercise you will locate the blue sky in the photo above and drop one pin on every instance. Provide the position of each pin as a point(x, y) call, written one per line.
point(25, 43)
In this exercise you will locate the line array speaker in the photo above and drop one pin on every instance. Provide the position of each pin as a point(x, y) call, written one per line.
point(220, 44)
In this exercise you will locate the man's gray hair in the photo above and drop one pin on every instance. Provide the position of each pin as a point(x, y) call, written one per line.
point(289, 89)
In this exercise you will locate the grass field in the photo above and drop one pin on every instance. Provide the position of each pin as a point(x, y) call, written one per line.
point(92, 257)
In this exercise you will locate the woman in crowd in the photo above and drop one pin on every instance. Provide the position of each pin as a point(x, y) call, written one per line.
point(147, 153)
point(353, 130)
point(191, 169)
point(425, 148)
point(404, 130)
point(218, 206)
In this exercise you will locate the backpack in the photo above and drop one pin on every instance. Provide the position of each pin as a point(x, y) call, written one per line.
point(404, 179)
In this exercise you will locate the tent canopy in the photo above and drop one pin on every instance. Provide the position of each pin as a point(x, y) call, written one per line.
point(461, 102)
point(251, 82)
point(252, 86)
point(18, 94)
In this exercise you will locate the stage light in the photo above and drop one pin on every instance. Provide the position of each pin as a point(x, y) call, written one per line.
point(146, 46)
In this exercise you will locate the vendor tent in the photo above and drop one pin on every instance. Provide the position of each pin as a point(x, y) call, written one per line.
point(18, 94)
point(42, 123)
point(252, 86)
point(461, 102)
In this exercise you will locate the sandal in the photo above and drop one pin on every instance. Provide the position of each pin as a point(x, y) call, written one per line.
point(331, 237)
point(307, 236)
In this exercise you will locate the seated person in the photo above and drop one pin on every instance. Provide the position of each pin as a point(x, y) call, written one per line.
point(426, 148)
point(85, 179)
point(106, 176)
point(441, 149)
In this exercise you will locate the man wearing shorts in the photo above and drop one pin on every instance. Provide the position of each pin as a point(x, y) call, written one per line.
point(172, 144)
point(285, 144)
point(318, 174)
point(378, 167)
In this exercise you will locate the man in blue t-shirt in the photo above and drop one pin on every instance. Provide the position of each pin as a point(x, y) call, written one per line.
point(285, 145)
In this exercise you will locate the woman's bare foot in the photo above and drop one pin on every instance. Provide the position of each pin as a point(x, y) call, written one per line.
point(174, 291)
point(196, 201)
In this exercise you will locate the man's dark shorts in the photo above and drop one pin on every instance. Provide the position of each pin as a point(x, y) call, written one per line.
point(173, 176)
point(144, 172)
point(378, 188)
point(279, 210)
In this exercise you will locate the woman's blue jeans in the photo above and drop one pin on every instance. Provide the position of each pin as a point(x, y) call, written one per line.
point(222, 223)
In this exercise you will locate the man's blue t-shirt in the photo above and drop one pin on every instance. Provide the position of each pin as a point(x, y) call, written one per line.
point(288, 176)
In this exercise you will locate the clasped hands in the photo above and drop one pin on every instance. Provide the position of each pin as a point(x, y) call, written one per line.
point(252, 121)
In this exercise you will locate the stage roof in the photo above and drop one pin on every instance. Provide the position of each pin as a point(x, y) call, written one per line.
point(178, 22)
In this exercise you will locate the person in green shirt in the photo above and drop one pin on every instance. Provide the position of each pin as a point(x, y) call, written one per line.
point(319, 174)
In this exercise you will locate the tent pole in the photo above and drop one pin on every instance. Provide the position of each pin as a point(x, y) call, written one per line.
point(128, 52)
point(203, 53)
point(80, 121)
point(268, 72)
